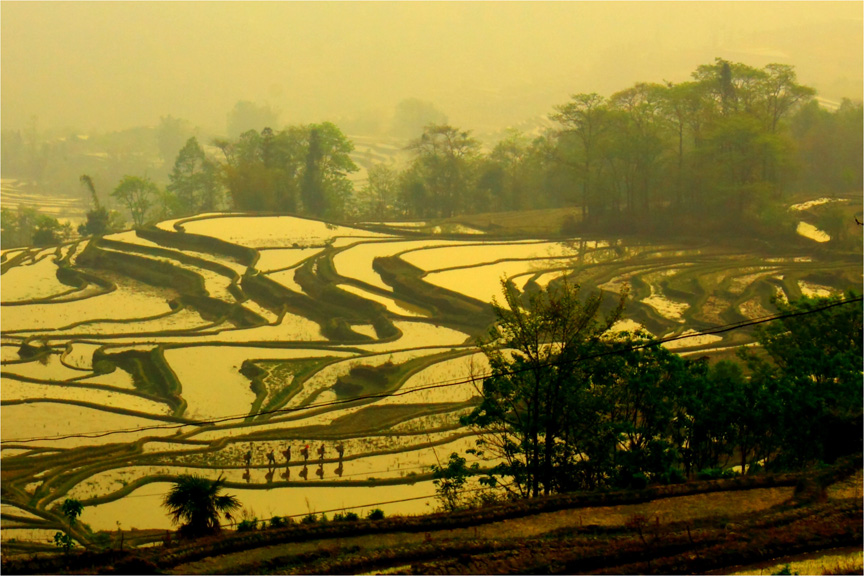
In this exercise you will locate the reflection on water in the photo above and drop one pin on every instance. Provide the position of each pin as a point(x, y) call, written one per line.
point(809, 231)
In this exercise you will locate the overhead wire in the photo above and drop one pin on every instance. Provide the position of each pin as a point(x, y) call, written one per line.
point(443, 383)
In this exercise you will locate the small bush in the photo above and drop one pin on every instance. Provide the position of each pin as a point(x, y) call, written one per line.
point(673, 476)
point(248, 525)
point(309, 519)
point(279, 522)
point(715, 473)
point(376, 514)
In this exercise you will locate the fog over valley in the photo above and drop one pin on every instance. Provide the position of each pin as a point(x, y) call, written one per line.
point(431, 287)
point(106, 66)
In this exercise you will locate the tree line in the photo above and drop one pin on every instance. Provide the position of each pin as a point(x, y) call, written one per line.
point(726, 146)
point(721, 150)
point(572, 405)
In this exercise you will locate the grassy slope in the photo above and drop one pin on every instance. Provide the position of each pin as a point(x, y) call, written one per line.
point(690, 528)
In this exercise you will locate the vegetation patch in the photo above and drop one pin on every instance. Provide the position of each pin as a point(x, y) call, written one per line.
point(450, 307)
point(147, 270)
point(282, 379)
point(200, 243)
point(150, 373)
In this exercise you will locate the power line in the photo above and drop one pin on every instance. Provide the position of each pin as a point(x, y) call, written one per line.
point(444, 383)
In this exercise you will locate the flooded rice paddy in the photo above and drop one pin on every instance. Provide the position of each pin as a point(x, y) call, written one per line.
point(137, 383)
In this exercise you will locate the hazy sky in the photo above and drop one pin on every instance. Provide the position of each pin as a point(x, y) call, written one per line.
point(112, 65)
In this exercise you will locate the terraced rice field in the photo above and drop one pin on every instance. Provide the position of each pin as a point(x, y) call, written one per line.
point(131, 361)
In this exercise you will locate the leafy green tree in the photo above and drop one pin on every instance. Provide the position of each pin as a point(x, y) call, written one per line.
point(378, 197)
point(810, 369)
point(71, 509)
point(681, 106)
point(450, 481)
point(25, 219)
point(312, 189)
point(194, 180)
point(326, 187)
point(198, 503)
point(10, 231)
point(749, 147)
point(830, 146)
point(645, 384)
point(443, 173)
point(705, 425)
point(301, 168)
point(540, 411)
point(584, 123)
point(48, 231)
point(138, 195)
point(505, 176)
point(99, 220)
point(247, 178)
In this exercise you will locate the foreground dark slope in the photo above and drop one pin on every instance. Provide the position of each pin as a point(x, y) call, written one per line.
point(688, 528)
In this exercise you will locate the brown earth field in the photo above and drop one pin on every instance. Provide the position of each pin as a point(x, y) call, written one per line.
point(717, 526)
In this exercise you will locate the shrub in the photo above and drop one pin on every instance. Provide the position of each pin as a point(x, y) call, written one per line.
point(714, 473)
point(279, 522)
point(376, 514)
point(309, 519)
point(248, 525)
point(450, 481)
point(673, 476)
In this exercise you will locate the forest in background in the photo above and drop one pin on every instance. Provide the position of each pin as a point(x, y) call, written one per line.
point(721, 153)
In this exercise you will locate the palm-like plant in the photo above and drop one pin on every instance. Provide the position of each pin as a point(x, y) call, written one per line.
point(197, 502)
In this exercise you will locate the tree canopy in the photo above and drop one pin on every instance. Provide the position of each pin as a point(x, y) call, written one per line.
point(571, 404)
point(198, 503)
